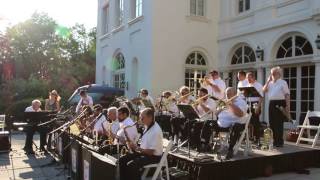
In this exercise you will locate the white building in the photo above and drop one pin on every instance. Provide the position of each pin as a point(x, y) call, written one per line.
point(155, 44)
point(285, 31)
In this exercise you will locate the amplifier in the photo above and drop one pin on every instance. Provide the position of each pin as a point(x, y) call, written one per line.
point(5, 141)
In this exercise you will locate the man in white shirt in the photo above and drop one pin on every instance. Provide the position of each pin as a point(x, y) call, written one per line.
point(125, 122)
point(149, 152)
point(85, 99)
point(256, 104)
point(278, 93)
point(31, 129)
point(215, 85)
point(231, 117)
point(112, 126)
point(144, 95)
point(242, 81)
point(99, 118)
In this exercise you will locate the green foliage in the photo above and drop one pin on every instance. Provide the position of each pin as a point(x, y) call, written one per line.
point(46, 56)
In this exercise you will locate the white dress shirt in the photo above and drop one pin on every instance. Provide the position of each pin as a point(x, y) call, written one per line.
point(30, 109)
point(132, 131)
point(211, 105)
point(84, 101)
point(222, 86)
point(152, 139)
point(99, 123)
point(188, 100)
point(259, 88)
point(226, 118)
point(278, 89)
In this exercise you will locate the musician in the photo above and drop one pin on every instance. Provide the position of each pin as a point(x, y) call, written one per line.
point(215, 85)
point(149, 152)
point(230, 117)
point(144, 94)
point(53, 102)
point(178, 122)
point(113, 123)
point(99, 118)
point(30, 130)
point(169, 103)
point(125, 121)
point(186, 97)
point(242, 81)
point(256, 104)
point(279, 96)
point(85, 99)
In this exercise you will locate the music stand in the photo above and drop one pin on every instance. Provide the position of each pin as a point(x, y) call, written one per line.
point(147, 103)
point(189, 113)
point(249, 92)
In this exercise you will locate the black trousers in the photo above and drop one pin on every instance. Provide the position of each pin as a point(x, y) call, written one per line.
point(177, 126)
point(30, 130)
point(131, 164)
point(276, 119)
point(255, 122)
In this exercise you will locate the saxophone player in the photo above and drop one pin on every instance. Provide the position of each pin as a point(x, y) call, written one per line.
point(125, 121)
point(149, 152)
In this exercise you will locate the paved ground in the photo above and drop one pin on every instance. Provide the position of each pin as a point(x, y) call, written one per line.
point(16, 165)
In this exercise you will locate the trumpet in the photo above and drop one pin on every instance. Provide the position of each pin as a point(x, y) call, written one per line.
point(204, 81)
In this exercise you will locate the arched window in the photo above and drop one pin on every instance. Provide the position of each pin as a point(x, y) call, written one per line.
point(294, 46)
point(243, 54)
point(119, 71)
point(196, 68)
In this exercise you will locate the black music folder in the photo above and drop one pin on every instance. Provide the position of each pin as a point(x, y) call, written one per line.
point(188, 111)
point(249, 92)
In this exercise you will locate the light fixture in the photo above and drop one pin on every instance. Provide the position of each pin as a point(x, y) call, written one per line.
point(317, 41)
point(259, 53)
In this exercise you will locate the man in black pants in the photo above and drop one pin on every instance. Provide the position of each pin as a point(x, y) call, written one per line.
point(149, 152)
point(279, 96)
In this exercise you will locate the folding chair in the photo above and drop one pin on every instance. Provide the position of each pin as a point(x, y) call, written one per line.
point(163, 163)
point(307, 126)
point(245, 134)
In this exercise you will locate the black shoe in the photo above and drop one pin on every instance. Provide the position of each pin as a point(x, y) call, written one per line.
point(229, 155)
point(29, 151)
point(42, 149)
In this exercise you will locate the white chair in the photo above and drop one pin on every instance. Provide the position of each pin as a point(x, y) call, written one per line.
point(2, 122)
point(245, 133)
point(163, 163)
point(4, 133)
point(307, 126)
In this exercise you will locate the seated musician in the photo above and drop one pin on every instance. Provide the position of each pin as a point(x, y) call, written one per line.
point(112, 125)
point(149, 152)
point(168, 105)
point(99, 118)
point(144, 94)
point(85, 99)
point(177, 123)
point(236, 108)
point(206, 109)
point(30, 130)
point(53, 102)
point(125, 121)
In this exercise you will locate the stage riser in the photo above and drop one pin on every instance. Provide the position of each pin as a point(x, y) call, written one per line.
point(248, 168)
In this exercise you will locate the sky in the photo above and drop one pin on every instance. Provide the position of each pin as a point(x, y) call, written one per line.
point(65, 12)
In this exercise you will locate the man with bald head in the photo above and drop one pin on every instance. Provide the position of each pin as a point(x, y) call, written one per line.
point(231, 116)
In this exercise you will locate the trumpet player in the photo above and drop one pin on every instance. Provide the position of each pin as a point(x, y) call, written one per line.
point(256, 103)
point(215, 85)
point(236, 107)
point(144, 94)
point(279, 95)
point(149, 152)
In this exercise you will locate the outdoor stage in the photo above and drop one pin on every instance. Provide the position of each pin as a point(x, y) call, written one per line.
point(257, 164)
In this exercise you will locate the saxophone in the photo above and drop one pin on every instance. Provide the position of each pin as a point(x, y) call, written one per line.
point(127, 138)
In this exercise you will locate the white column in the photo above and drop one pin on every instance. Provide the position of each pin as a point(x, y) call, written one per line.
point(317, 88)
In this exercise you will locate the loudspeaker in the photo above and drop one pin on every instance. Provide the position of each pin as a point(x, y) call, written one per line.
point(5, 141)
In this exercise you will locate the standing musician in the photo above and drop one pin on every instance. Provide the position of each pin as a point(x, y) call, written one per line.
point(53, 102)
point(243, 82)
point(144, 94)
point(85, 99)
point(256, 104)
point(35, 107)
point(149, 152)
point(100, 119)
point(279, 95)
point(125, 121)
point(215, 85)
point(178, 122)
point(236, 108)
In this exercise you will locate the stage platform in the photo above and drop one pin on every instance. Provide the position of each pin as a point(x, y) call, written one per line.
point(258, 163)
